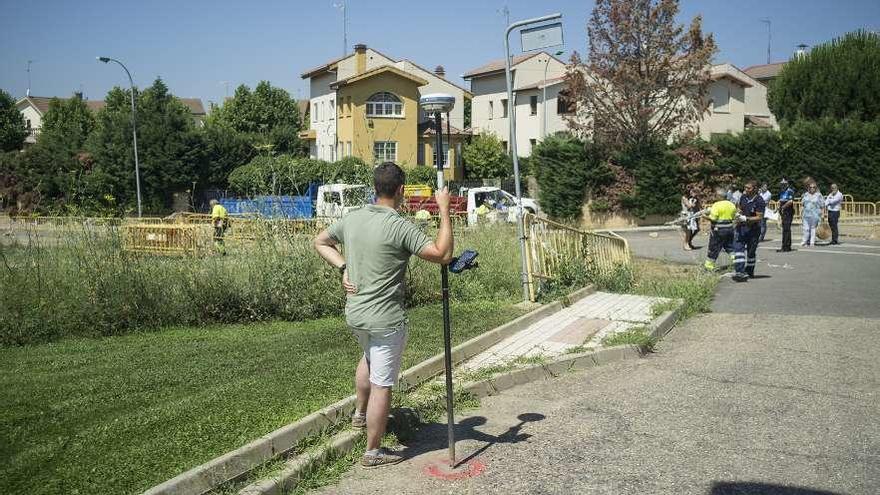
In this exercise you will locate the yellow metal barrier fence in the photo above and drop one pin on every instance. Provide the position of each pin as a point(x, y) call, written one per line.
point(160, 239)
point(550, 244)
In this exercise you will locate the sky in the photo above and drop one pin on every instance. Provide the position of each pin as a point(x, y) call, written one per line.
point(199, 48)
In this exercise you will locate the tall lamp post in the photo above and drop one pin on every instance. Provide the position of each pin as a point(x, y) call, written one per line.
point(544, 96)
point(540, 37)
point(137, 170)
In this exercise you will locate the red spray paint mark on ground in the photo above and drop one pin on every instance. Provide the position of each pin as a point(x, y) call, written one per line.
point(441, 469)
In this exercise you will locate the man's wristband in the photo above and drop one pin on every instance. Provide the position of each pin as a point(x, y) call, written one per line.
point(342, 269)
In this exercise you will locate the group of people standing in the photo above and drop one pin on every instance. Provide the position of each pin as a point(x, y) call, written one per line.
point(814, 206)
point(739, 220)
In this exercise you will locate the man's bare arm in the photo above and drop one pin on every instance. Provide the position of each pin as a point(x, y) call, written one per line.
point(326, 247)
point(440, 251)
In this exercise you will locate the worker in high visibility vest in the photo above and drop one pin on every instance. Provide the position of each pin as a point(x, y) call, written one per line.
point(220, 221)
point(722, 214)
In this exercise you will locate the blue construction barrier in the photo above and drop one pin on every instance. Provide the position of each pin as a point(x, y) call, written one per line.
point(271, 206)
point(275, 206)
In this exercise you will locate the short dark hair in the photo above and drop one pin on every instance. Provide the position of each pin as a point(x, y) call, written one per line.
point(387, 179)
point(752, 183)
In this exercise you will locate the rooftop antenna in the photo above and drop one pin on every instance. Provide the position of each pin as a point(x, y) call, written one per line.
point(341, 6)
point(29, 77)
point(506, 13)
point(766, 20)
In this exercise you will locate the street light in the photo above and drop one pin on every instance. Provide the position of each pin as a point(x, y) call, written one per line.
point(137, 170)
point(544, 96)
point(539, 37)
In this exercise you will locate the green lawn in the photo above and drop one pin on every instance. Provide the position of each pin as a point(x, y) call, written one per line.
point(120, 414)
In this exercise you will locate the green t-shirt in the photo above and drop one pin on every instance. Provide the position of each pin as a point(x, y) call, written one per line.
point(378, 243)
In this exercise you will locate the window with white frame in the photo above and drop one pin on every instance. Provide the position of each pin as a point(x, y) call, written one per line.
point(314, 112)
point(332, 108)
point(384, 104)
point(348, 148)
point(533, 105)
point(385, 151)
point(504, 108)
point(491, 110)
point(445, 155)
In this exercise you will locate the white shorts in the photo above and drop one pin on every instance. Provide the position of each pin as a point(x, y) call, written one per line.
point(383, 350)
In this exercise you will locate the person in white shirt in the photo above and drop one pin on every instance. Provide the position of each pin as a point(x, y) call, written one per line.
point(765, 195)
point(833, 202)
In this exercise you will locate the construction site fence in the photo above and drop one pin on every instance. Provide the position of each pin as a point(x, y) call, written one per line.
point(161, 239)
point(551, 245)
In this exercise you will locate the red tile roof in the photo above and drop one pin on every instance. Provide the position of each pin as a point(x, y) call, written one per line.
point(427, 129)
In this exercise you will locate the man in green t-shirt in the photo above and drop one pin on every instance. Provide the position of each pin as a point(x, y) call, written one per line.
point(378, 244)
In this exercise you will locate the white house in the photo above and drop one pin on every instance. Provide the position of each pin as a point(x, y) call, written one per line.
point(537, 80)
point(34, 108)
point(736, 102)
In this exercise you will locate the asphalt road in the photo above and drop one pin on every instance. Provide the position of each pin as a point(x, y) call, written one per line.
point(777, 392)
point(841, 280)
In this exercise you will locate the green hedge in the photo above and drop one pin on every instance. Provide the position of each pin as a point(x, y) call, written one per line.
point(843, 152)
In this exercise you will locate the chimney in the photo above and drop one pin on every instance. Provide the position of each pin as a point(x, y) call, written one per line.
point(801, 51)
point(440, 71)
point(360, 58)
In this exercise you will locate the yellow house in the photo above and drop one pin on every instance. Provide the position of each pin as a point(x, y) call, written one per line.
point(378, 115)
point(366, 105)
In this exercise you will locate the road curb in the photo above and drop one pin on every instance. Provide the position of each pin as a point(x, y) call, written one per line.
point(294, 469)
point(344, 442)
point(657, 329)
point(237, 463)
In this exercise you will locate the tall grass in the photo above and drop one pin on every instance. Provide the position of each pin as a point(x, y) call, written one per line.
point(86, 285)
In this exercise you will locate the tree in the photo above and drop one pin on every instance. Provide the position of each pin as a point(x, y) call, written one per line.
point(485, 158)
point(170, 150)
point(645, 78)
point(12, 129)
point(55, 163)
point(268, 116)
point(838, 80)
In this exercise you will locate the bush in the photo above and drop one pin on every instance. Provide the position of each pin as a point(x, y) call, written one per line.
point(564, 167)
point(656, 171)
point(846, 153)
point(485, 158)
point(421, 175)
point(288, 174)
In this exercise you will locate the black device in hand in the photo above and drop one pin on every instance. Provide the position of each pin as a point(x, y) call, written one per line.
point(465, 261)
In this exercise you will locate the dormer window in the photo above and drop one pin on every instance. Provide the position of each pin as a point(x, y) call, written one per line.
point(384, 104)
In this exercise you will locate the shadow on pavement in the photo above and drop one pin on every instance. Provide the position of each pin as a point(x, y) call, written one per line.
point(432, 437)
point(756, 488)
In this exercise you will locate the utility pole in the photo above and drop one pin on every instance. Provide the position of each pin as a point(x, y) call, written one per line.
point(29, 77)
point(766, 21)
point(341, 6)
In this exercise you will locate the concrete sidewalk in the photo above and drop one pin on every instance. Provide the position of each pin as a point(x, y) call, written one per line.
point(764, 407)
point(582, 325)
